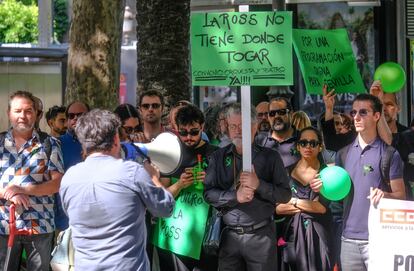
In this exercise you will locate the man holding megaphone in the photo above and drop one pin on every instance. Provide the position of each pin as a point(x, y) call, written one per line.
point(106, 199)
point(186, 183)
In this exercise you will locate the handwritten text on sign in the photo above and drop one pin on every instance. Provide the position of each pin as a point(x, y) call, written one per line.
point(236, 49)
point(326, 57)
point(183, 232)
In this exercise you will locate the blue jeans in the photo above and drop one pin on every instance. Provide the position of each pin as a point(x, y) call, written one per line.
point(354, 255)
point(38, 248)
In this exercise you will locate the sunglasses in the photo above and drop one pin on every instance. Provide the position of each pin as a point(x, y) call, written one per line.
point(280, 112)
point(312, 143)
point(192, 132)
point(262, 114)
point(130, 130)
point(154, 106)
point(73, 115)
point(362, 112)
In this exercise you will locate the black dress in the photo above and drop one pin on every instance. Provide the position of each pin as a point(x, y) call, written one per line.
point(308, 235)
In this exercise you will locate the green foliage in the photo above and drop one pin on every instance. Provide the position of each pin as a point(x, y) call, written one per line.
point(60, 19)
point(28, 2)
point(18, 22)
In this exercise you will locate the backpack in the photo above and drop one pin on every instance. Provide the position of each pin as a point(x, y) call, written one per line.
point(385, 161)
point(44, 139)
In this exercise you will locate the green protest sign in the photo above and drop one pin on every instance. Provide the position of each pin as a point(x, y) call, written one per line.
point(248, 48)
point(326, 57)
point(183, 232)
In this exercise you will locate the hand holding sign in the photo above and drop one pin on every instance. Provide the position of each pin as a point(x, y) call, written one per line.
point(391, 75)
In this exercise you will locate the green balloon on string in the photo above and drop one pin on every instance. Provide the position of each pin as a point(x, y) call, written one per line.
point(336, 183)
point(391, 75)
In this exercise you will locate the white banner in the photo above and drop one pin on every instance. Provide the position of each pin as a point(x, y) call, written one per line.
point(391, 236)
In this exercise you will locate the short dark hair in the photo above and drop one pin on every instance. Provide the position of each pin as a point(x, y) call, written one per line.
point(375, 101)
point(126, 111)
point(286, 100)
point(96, 130)
point(23, 94)
point(188, 114)
point(151, 93)
point(85, 104)
point(313, 129)
point(54, 111)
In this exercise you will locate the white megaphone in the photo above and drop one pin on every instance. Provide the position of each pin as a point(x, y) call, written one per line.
point(164, 152)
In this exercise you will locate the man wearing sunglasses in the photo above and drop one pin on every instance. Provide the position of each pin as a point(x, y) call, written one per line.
point(362, 160)
point(190, 123)
point(71, 150)
point(151, 106)
point(282, 136)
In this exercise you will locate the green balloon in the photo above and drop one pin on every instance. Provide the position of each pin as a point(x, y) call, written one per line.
point(336, 183)
point(391, 75)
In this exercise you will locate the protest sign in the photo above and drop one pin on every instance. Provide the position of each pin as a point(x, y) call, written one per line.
point(391, 236)
point(326, 57)
point(247, 48)
point(183, 232)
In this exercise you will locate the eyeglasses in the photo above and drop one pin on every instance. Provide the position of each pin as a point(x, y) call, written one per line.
point(233, 127)
point(280, 112)
point(362, 112)
point(262, 114)
point(154, 106)
point(192, 132)
point(312, 143)
point(73, 115)
point(130, 130)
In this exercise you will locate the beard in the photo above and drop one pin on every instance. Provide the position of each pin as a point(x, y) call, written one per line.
point(23, 128)
point(279, 125)
point(191, 144)
point(237, 141)
point(264, 126)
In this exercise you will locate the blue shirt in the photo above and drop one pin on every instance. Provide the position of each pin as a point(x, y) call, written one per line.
point(71, 149)
point(364, 168)
point(106, 200)
point(72, 154)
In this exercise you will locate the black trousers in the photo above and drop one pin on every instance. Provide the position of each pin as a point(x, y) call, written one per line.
point(249, 252)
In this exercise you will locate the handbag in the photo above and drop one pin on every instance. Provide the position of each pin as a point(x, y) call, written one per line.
point(63, 253)
point(211, 241)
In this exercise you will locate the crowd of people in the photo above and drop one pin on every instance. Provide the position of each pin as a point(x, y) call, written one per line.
point(85, 176)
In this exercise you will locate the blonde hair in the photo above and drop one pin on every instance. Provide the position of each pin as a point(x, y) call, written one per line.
point(300, 120)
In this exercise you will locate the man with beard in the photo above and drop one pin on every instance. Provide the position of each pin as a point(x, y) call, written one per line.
point(246, 199)
point(282, 136)
point(262, 110)
point(391, 110)
point(182, 183)
point(151, 105)
point(30, 172)
point(56, 119)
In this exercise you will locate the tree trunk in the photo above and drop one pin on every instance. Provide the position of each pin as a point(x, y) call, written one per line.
point(163, 48)
point(95, 52)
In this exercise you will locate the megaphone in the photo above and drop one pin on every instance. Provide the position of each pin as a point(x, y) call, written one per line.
point(164, 152)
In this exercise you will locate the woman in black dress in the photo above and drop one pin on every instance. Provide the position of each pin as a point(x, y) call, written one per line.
point(306, 237)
